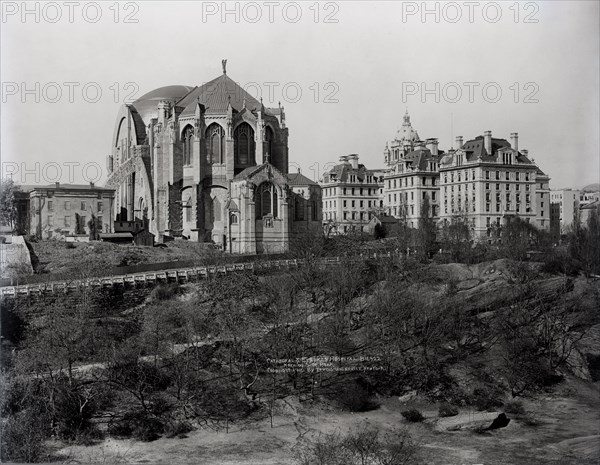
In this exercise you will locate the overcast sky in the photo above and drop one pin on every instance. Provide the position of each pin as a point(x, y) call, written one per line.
point(358, 66)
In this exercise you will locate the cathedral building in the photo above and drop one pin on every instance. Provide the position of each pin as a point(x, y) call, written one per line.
point(210, 164)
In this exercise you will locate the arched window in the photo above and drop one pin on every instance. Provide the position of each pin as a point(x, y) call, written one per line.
point(215, 142)
point(243, 137)
point(187, 204)
point(187, 137)
point(216, 207)
point(269, 137)
point(266, 200)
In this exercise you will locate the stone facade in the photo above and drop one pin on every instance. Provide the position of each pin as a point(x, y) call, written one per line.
point(352, 195)
point(412, 175)
point(191, 160)
point(486, 181)
point(54, 209)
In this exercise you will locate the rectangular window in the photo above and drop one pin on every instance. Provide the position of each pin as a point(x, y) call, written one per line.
point(487, 175)
point(100, 206)
point(507, 175)
point(67, 205)
point(433, 196)
point(67, 221)
point(50, 221)
point(50, 206)
point(345, 204)
point(83, 206)
point(101, 222)
point(497, 175)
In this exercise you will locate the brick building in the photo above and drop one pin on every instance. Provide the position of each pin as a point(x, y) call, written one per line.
point(54, 210)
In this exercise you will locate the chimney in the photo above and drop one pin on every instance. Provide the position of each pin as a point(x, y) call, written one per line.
point(57, 184)
point(432, 145)
point(91, 185)
point(525, 152)
point(487, 141)
point(459, 142)
point(353, 160)
point(343, 159)
point(514, 140)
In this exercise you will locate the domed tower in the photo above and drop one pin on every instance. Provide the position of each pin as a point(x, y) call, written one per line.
point(177, 149)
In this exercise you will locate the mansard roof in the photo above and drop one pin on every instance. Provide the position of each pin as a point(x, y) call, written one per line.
point(475, 149)
point(420, 158)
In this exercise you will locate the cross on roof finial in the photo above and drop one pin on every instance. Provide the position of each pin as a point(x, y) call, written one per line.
point(224, 65)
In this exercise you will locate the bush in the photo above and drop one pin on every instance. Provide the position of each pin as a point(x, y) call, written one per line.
point(363, 444)
point(515, 407)
point(356, 398)
point(164, 292)
point(447, 410)
point(139, 425)
point(178, 429)
point(413, 415)
point(22, 438)
point(70, 245)
point(561, 265)
point(486, 399)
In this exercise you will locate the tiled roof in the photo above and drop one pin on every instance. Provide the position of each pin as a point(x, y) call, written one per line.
point(216, 95)
point(298, 179)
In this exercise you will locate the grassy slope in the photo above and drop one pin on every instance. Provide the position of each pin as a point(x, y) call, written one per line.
point(568, 414)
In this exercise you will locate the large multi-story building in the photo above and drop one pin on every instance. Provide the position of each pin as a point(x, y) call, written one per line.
point(352, 194)
point(565, 208)
point(486, 181)
point(412, 175)
point(59, 210)
point(208, 163)
point(542, 199)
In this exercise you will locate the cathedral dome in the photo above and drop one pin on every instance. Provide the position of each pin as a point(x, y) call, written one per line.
point(147, 104)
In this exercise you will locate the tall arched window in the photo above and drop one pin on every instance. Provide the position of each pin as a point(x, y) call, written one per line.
point(269, 137)
point(215, 144)
point(187, 138)
point(243, 137)
point(266, 200)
